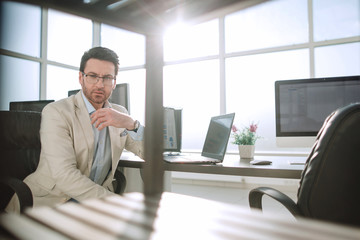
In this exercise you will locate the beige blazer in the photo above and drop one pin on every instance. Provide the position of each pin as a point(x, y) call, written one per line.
point(67, 149)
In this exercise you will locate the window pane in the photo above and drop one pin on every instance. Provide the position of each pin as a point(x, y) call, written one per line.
point(129, 46)
point(19, 80)
point(271, 24)
point(20, 28)
point(250, 89)
point(190, 42)
point(336, 19)
point(69, 37)
point(60, 81)
point(136, 80)
point(337, 60)
point(194, 87)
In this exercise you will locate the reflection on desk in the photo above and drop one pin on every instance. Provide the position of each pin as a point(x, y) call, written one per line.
point(281, 166)
point(171, 216)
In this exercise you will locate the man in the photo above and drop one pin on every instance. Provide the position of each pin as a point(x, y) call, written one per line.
point(82, 138)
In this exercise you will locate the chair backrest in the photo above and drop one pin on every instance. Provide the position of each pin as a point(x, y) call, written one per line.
point(36, 106)
point(19, 147)
point(329, 186)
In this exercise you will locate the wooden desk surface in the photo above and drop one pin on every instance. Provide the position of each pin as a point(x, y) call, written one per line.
point(172, 216)
point(232, 165)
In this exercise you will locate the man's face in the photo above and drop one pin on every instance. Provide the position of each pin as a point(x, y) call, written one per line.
point(97, 93)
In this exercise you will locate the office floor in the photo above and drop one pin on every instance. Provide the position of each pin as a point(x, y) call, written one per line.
point(233, 195)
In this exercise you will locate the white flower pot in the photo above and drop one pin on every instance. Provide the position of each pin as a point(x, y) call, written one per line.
point(246, 151)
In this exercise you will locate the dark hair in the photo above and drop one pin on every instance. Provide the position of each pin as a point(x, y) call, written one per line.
point(100, 53)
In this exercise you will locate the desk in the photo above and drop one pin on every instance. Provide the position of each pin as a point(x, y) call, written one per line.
point(173, 216)
point(232, 165)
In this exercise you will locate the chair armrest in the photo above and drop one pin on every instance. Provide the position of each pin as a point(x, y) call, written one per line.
point(21, 190)
point(255, 199)
point(120, 184)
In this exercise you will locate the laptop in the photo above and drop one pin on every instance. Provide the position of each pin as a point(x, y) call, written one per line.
point(215, 145)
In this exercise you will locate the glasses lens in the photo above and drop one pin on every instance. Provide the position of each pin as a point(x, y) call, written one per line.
point(92, 79)
point(107, 80)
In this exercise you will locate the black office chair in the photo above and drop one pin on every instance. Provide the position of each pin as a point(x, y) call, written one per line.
point(20, 149)
point(329, 185)
point(19, 153)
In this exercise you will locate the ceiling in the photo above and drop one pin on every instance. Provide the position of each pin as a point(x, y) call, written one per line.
point(145, 16)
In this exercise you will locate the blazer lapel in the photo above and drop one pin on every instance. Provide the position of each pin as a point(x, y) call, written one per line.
point(82, 115)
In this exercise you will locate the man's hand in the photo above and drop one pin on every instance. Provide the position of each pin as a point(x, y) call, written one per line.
point(105, 117)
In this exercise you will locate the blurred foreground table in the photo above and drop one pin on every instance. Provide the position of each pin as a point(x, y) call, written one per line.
point(171, 216)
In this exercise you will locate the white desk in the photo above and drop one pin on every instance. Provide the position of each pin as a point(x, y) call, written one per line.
point(232, 165)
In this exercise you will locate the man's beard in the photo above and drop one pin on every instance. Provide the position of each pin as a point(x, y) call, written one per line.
point(98, 99)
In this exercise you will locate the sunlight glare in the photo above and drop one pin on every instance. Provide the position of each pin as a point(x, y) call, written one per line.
point(175, 40)
point(176, 30)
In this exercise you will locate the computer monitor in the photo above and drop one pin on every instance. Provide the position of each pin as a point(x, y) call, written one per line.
point(172, 130)
point(36, 106)
point(120, 95)
point(301, 106)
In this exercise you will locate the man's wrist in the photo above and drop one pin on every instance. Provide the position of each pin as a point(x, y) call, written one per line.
point(136, 126)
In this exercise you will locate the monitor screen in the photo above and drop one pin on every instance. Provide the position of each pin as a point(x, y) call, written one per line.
point(302, 105)
point(217, 136)
point(120, 95)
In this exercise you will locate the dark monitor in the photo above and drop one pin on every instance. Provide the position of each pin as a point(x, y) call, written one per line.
point(302, 105)
point(172, 130)
point(36, 106)
point(120, 95)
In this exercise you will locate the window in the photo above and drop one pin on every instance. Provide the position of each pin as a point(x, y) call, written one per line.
point(129, 46)
point(20, 26)
point(69, 37)
point(194, 87)
point(61, 80)
point(136, 80)
point(337, 60)
point(181, 42)
point(20, 33)
point(265, 43)
point(250, 89)
point(272, 24)
point(336, 19)
point(19, 80)
point(275, 40)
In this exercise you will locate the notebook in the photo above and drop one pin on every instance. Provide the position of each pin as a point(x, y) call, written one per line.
point(215, 145)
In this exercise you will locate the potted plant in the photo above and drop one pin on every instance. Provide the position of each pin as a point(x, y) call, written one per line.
point(245, 139)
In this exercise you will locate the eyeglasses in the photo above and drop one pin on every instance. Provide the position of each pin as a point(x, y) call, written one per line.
point(93, 79)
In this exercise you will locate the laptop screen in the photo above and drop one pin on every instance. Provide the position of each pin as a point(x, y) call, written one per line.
point(217, 136)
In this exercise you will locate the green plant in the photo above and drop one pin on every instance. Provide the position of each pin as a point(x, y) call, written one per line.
point(246, 136)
